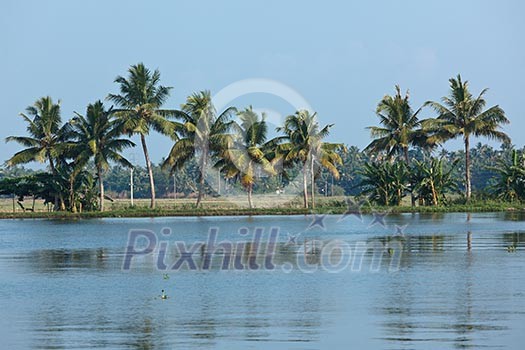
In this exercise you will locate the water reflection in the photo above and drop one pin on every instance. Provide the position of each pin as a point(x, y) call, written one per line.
point(53, 260)
point(419, 310)
point(457, 286)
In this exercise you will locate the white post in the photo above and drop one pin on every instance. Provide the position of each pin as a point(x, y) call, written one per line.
point(131, 186)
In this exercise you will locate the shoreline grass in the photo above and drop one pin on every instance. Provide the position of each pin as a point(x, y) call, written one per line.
point(328, 208)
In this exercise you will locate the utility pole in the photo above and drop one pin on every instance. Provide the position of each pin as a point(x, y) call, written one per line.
point(131, 185)
point(313, 180)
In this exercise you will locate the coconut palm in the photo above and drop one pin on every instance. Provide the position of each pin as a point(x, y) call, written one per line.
point(98, 137)
point(462, 115)
point(249, 154)
point(201, 133)
point(400, 127)
point(47, 137)
point(139, 108)
point(302, 143)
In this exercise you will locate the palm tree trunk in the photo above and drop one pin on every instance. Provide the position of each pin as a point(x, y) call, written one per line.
point(62, 202)
point(250, 191)
point(101, 187)
point(200, 188)
point(305, 185)
point(313, 181)
point(150, 170)
point(72, 204)
point(468, 186)
point(54, 172)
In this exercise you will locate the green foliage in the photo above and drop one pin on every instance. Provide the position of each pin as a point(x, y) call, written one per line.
point(202, 134)
point(510, 184)
point(47, 186)
point(433, 179)
point(400, 127)
point(248, 155)
point(87, 150)
point(462, 114)
point(140, 100)
point(97, 136)
point(385, 183)
point(47, 137)
point(303, 144)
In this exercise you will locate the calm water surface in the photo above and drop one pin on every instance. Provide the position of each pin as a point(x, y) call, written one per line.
point(62, 286)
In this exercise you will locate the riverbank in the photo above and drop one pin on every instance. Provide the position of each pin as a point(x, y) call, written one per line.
point(136, 212)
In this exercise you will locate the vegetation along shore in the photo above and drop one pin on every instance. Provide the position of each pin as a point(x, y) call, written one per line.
point(405, 168)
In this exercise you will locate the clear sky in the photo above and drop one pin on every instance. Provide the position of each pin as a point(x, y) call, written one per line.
point(341, 56)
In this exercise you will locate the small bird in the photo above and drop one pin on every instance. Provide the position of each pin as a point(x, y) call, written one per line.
point(390, 251)
point(166, 276)
point(511, 249)
point(163, 295)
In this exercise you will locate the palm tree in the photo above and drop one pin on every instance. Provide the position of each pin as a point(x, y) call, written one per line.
point(98, 136)
point(248, 156)
point(201, 133)
point(303, 144)
point(400, 127)
point(47, 139)
point(140, 101)
point(462, 115)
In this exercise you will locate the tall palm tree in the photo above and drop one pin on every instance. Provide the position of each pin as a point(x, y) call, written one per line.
point(46, 140)
point(248, 155)
point(463, 115)
point(201, 133)
point(139, 108)
point(303, 144)
point(98, 136)
point(400, 127)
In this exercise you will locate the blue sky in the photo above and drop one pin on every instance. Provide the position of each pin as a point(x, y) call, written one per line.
point(342, 57)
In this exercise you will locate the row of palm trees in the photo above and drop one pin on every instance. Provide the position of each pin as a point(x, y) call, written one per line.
point(239, 150)
point(460, 114)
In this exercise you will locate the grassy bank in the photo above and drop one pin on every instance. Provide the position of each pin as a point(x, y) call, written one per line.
point(222, 207)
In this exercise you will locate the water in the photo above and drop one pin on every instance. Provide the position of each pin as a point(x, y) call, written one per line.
point(62, 286)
